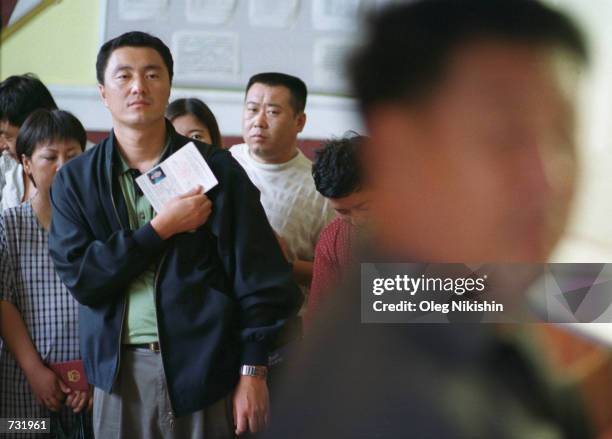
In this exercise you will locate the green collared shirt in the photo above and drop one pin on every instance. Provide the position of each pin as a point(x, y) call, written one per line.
point(141, 317)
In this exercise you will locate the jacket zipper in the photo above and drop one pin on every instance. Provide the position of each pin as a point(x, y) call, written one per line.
point(155, 289)
point(124, 303)
point(161, 353)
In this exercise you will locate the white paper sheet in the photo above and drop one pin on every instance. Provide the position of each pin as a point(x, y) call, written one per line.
point(132, 10)
point(199, 55)
point(214, 12)
point(336, 14)
point(329, 57)
point(273, 13)
point(178, 174)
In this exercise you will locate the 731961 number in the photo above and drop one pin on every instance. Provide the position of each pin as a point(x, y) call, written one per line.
point(15, 425)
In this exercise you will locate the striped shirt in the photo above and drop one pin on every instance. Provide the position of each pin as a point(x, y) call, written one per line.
point(28, 281)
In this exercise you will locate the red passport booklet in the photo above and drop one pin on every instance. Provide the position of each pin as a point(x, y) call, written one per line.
point(72, 373)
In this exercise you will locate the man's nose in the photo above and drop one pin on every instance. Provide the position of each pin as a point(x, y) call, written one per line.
point(260, 120)
point(139, 85)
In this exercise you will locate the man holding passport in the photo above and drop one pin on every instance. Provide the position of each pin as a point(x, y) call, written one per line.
point(178, 310)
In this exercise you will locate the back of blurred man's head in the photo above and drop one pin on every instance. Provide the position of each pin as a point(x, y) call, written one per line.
point(470, 106)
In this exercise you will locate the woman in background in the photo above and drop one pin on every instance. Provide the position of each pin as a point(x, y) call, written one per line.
point(38, 316)
point(192, 118)
point(20, 96)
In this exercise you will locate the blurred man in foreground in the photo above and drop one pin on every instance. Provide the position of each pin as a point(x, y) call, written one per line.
point(470, 107)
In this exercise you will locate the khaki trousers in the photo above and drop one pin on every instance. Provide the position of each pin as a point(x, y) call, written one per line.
point(139, 406)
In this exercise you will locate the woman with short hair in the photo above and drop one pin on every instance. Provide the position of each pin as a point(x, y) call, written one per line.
point(38, 316)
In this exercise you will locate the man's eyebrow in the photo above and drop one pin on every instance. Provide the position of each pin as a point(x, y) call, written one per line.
point(269, 104)
point(123, 67)
point(129, 67)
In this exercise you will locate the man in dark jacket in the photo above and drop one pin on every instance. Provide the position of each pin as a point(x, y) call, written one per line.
point(179, 309)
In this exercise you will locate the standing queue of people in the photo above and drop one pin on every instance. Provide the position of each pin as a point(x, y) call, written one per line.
point(89, 257)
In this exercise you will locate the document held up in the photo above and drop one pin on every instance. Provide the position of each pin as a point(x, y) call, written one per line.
point(179, 173)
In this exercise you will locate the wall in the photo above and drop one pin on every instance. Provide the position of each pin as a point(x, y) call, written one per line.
point(73, 26)
point(591, 230)
point(58, 45)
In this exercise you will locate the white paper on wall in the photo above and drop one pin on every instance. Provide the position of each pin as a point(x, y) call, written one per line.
point(273, 13)
point(329, 57)
point(199, 54)
point(336, 14)
point(214, 12)
point(133, 10)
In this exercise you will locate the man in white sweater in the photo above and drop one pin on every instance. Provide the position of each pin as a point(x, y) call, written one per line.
point(273, 116)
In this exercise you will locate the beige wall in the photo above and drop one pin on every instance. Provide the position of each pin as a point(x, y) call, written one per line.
point(59, 44)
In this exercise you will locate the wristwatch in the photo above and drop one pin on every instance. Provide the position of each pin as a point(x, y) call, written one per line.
point(254, 371)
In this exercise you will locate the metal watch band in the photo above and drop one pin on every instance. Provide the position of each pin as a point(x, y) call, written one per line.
point(254, 371)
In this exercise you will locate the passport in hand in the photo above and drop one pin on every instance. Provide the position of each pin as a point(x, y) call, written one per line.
point(72, 373)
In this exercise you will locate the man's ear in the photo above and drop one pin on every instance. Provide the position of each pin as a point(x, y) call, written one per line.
point(301, 121)
point(102, 92)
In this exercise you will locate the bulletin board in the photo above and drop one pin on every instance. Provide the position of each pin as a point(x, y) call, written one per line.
point(220, 44)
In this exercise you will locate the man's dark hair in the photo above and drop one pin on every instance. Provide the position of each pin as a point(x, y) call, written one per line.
point(46, 126)
point(201, 111)
point(337, 170)
point(409, 45)
point(132, 39)
point(296, 87)
point(20, 95)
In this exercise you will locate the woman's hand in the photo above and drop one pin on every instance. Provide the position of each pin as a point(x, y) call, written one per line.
point(48, 388)
point(78, 400)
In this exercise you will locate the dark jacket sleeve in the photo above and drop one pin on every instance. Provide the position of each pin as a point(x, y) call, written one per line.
point(262, 278)
point(96, 272)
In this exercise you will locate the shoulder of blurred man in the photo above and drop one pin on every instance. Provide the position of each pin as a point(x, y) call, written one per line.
point(416, 380)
